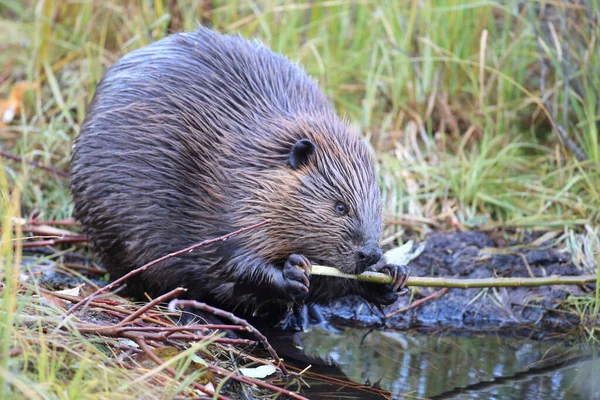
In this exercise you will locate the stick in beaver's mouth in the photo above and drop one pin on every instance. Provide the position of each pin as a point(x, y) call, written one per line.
point(377, 277)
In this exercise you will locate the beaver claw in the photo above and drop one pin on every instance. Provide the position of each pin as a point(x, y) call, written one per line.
point(388, 294)
point(399, 274)
point(296, 281)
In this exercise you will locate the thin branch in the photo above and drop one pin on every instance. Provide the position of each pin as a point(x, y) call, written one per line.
point(148, 351)
point(158, 260)
point(63, 174)
point(236, 320)
point(52, 242)
point(86, 268)
point(222, 340)
point(145, 332)
point(64, 222)
point(179, 328)
point(417, 303)
point(41, 228)
point(160, 299)
point(376, 277)
point(100, 303)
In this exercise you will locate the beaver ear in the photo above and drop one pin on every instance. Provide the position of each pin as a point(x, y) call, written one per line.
point(300, 153)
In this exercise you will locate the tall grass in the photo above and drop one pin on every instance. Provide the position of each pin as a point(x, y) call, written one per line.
point(466, 73)
point(39, 360)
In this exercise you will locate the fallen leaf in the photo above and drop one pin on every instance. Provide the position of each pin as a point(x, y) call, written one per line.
point(259, 372)
point(11, 107)
point(129, 342)
point(60, 303)
point(71, 292)
point(404, 254)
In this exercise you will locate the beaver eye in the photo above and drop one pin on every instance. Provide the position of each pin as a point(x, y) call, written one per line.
point(340, 208)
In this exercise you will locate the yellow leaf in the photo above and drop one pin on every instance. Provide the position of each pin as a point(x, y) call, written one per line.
point(11, 107)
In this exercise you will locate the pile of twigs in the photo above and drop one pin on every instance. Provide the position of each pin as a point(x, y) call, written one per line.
point(151, 328)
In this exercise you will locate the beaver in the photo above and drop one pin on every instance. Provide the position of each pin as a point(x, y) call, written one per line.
point(200, 134)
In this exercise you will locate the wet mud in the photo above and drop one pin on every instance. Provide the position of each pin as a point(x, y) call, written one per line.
point(476, 255)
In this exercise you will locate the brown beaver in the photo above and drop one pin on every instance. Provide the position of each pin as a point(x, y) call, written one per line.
point(200, 134)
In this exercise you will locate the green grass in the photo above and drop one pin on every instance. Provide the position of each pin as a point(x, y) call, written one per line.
point(453, 97)
point(39, 359)
point(408, 74)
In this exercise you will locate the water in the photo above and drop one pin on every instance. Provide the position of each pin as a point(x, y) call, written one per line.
point(443, 365)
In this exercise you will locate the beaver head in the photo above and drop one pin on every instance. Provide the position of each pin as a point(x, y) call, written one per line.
point(323, 199)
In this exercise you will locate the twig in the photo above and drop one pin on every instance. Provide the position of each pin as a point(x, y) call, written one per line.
point(131, 332)
point(159, 336)
point(236, 320)
point(376, 277)
point(148, 351)
point(86, 268)
point(158, 260)
point(52, 242)
point(101, 303)
point(41, 228)
point(223, 340)
point(122, 316)
point(160, 299)
point(417, 303)
point(188, 328)
point(64, 222)
point(36, 164)
point(147, 333)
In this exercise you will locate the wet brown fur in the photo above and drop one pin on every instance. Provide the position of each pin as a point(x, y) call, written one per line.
point(189, 138)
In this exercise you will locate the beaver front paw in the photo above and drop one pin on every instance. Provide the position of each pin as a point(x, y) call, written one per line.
point(296, 281)
point(388, 294)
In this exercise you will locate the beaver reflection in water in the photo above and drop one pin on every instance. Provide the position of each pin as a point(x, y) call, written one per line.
point(200, 134)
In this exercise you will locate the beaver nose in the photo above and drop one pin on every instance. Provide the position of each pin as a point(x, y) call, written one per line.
point(368, 255)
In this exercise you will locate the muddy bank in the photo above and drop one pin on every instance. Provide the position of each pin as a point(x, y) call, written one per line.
point(476, 255)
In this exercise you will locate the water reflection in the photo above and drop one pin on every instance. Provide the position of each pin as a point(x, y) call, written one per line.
point(417, 364)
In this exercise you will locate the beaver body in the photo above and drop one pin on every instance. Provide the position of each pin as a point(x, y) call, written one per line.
point(200, 134)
